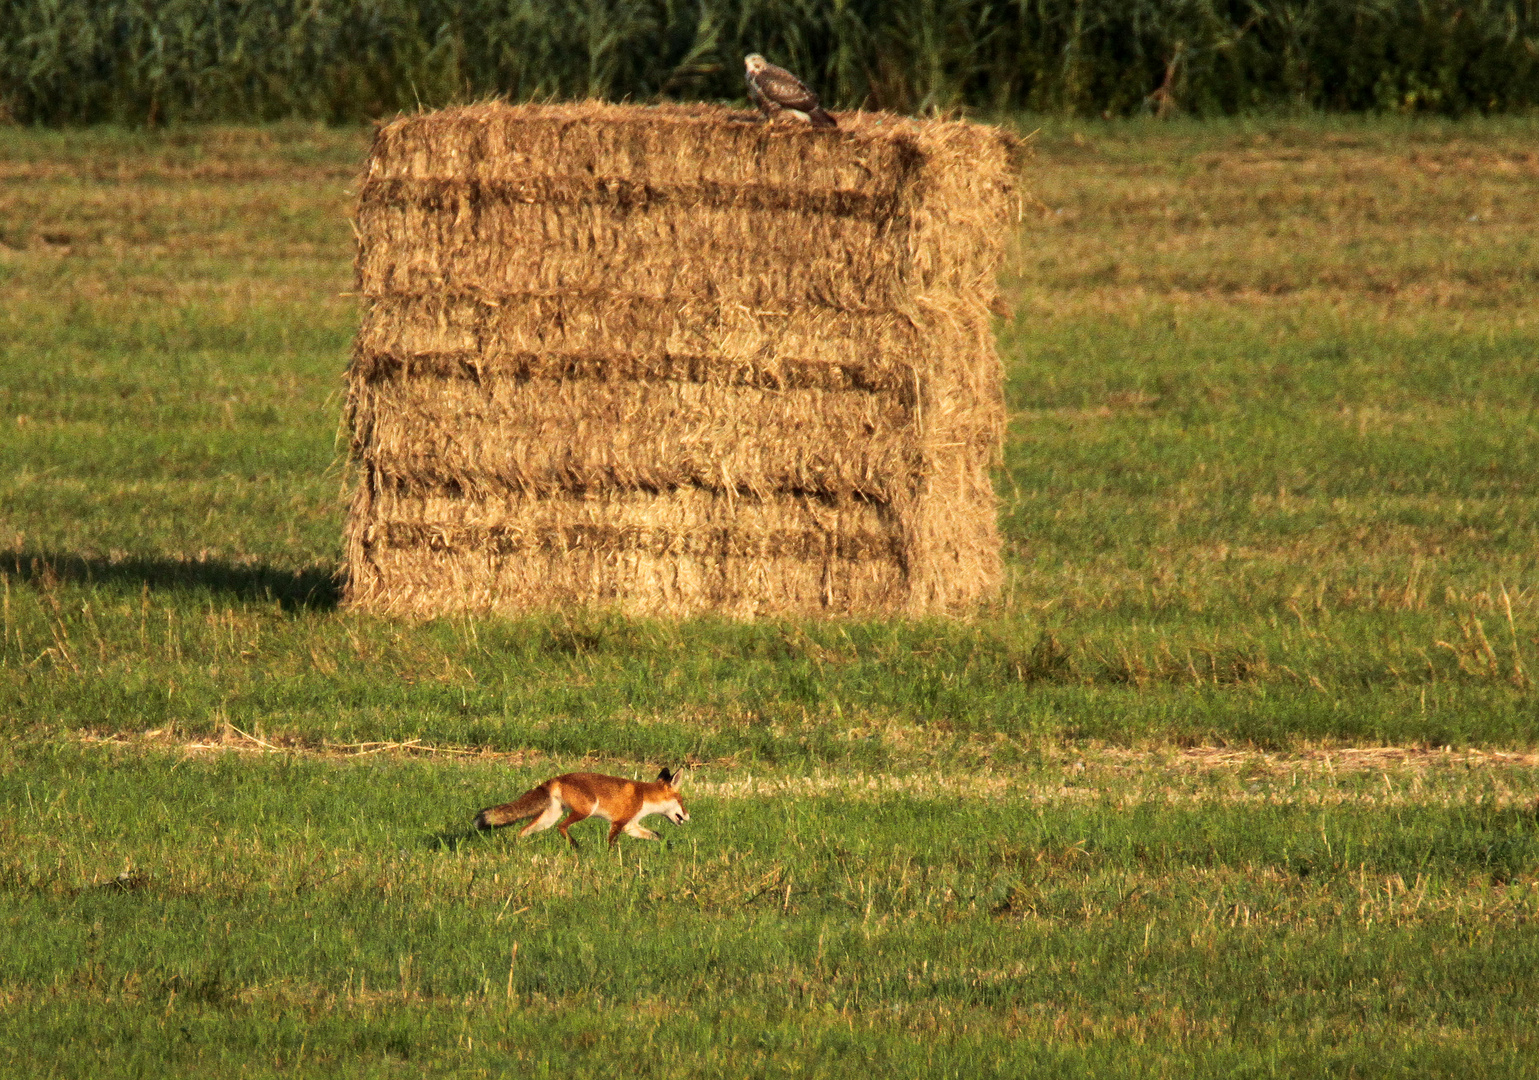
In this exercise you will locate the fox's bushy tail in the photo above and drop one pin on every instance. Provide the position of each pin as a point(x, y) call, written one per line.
point(529, 804)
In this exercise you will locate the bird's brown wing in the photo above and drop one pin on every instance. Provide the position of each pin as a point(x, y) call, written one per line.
point(764, 104)
point(786, 90)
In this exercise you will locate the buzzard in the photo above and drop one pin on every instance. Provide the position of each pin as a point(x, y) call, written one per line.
point(775, 91)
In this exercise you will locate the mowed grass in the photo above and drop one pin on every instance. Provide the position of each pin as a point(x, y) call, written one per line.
point(1271, 472)
point(1270, 487)
point(1075, 915)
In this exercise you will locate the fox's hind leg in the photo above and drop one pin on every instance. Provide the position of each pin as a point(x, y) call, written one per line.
point(572, 818)
point(546, 819)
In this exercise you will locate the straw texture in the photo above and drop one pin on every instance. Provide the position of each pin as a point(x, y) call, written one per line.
point(676, 360)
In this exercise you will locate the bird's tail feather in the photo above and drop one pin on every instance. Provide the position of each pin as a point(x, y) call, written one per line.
point(820, 118)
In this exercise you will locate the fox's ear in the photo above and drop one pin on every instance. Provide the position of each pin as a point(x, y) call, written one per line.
point(666, 777)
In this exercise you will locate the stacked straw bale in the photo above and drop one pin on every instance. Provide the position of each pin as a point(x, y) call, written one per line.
point(676, 360)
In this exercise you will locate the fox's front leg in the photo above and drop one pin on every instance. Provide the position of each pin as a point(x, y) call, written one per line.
point(629, 828)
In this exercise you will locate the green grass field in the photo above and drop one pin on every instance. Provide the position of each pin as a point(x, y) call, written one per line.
point(1239, 777)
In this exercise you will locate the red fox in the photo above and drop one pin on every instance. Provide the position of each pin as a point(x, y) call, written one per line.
point(623, 803)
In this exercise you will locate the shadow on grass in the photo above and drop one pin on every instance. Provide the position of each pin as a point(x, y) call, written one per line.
point(458, 841)
point(454, 841)
point(309, 589)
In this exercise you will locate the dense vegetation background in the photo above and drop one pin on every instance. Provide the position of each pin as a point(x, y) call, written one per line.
point(152, 61)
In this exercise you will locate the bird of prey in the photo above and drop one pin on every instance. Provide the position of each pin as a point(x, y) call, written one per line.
point(776, 91)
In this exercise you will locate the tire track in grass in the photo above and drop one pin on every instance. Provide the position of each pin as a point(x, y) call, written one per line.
point(1197, 776)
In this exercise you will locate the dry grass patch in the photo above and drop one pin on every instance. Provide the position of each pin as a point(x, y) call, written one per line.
point(1283, 221)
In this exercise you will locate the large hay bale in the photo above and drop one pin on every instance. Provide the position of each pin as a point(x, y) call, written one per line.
point(676, 360)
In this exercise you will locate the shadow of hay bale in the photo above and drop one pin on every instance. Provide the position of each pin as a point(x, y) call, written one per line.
point(311, 589)
point(672, 361)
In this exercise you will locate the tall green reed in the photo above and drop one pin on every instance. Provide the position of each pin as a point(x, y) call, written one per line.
point(153, 61)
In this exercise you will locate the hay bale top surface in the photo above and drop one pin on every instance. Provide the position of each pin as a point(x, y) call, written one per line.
point(695, 200)
point(872, 153)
